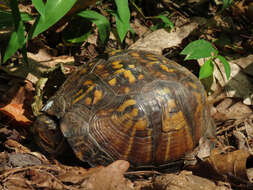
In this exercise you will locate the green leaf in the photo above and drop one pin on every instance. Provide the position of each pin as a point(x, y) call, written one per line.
point(207, 69)
point(52, 12)
point(26, 17)
point(101, 22)
point(199, 49)
point(39, 6)
point(226, 4)
point(123, 10)
point(122, 18)
point(226, 65)
point(166, 20)
point(17, 39)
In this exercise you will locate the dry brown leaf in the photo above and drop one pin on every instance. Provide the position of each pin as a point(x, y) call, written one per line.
point(110, 178)
point(230, 163)
point(15, 109)
point(161, 39)
point(185, 181)
point(230, 110)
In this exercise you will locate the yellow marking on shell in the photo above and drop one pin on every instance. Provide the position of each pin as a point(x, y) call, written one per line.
point(128, 125)
point(87, 82)
point(105, 75)
point(98, 94)
point(82, 71)
point(175, 121)
point(112, 82)
point(116, 62)
point(131, 66)
point(134, 112)
point(143, 60)
point(130, 141)
point(152, 63)
point(152, 57)
point(198, 114)
point(79, 92)
point(105, 112)
point(141, 76)
point(167, 152)
point(193, 85)
point(129, 115)
point(126, 104)
point(117, 65)
point(163, 67)
point(126, 89)
point(135, 54)
point(87, 101)
point(141, 124)
point(128, 74)
point(114, 52)
point(83, 95)
point(100, 66)
point(119, 71)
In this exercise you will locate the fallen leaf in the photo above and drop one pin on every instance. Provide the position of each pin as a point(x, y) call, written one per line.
point(234, 163)
point(15, 109)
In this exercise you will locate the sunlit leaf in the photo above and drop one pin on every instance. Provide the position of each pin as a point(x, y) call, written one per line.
point(52, 12)
point(17, 39)
point(206, 70)
point(101, 22)
point(226, 65)
point(122, 18)
point(166, 21)
point(199, 49)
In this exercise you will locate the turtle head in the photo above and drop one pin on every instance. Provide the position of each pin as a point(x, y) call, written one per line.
point(47, 134)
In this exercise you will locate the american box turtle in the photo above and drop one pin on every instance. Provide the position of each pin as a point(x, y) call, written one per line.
point(136, 106)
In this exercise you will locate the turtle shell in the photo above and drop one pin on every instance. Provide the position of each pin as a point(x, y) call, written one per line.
point(135, 106)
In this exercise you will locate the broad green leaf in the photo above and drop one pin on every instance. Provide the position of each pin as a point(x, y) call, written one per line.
point(123, 10)
point(39, 6)
point(17, 39)
point(226, 65)
point(166, 21)
point(53, 11)
point(122, 18)
point(122, 28)
point(199, 49)
point(101, 22)
point(206, 70)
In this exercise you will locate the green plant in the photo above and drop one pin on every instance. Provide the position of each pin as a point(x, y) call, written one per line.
point(166, 22)
point(226, 4)
point(49, 13)
point(204, 49)
point(52, 11)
